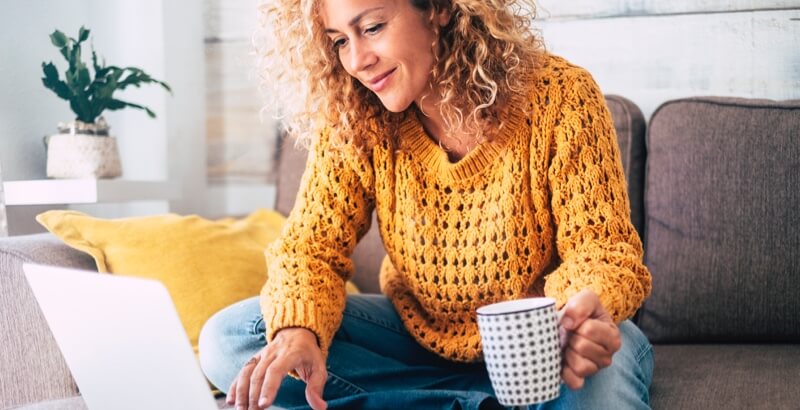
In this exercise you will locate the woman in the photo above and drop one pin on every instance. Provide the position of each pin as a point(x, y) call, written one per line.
point(495, 175)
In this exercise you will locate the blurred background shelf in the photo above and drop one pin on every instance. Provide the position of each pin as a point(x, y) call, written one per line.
point(86, 191)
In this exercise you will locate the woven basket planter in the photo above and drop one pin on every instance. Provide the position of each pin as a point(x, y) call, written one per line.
point(82, 156)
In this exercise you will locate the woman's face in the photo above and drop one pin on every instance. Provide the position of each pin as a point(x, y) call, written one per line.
point(384, 44)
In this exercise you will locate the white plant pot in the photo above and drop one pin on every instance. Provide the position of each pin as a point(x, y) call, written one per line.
point(82, 156)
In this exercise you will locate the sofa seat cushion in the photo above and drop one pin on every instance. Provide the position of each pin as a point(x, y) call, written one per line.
point(726, 377)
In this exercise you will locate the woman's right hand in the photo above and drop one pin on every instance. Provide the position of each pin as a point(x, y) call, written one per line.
point(292, 348)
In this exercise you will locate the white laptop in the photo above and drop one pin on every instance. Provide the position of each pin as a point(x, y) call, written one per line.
point(122, 340)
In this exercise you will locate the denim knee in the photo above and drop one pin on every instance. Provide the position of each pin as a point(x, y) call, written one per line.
point(641, 348)
point(229, 339)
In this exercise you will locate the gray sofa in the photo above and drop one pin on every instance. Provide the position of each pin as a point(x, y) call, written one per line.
point(715, 190)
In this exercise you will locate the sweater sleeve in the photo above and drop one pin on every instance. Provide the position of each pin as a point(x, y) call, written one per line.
point(310, 262)
point(596, 241)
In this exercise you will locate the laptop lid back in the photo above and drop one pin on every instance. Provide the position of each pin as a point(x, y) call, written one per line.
point(122, 339)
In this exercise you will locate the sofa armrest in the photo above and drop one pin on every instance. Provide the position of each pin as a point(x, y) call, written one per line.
point(32, 368)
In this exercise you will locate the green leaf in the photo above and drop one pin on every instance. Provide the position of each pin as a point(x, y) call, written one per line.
point(75, 58)
point(117, 104)
point(164, 86)
point(58, 39)
point(83, 34)
point(105, 89)
point(138, 77)
point(114, 105)
point(81, 113)
point(52, 81)
point(50, 70)
point(71, 78)
point(95, 65)
point(104, 71)
point(83, 76)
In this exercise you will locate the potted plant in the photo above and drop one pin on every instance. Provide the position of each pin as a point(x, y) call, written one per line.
point(83, 148)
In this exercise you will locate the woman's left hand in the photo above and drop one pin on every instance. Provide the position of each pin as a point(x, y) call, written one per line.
point(592, 338)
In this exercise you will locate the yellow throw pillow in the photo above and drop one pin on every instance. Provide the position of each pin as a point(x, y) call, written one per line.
point(206, 265)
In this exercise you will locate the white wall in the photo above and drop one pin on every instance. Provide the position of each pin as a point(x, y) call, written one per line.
point(163, 37)
point(652, 51)
point(28, 111)
point(184, 63)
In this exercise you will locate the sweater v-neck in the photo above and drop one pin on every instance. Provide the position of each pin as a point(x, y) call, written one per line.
point(425, 150)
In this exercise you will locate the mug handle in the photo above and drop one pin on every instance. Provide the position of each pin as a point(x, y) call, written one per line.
point(562, 333)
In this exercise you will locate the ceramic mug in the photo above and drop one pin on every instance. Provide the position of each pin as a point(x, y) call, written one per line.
point(522, 350)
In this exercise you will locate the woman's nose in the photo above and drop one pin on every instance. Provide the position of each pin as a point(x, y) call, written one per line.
point(361, 56)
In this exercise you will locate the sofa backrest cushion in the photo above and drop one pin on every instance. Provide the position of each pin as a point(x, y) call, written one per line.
point(721, 206)
point(291, 164)
point(32, 368)
point(630, 126)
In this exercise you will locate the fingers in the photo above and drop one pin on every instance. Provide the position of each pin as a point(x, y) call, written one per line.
point(257, 381)
point(315, 384)
point(581, 306)
point(572, 380)
point(273, 377)
point(231, 398)
point(605, 334)
point(590, 350)
point(581, 366)
point(243, 384)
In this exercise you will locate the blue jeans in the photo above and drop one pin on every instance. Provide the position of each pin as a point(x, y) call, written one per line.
point(375, 363)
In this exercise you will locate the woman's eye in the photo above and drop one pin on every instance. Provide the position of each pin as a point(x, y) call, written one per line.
point(339, 42)
point(373, 29)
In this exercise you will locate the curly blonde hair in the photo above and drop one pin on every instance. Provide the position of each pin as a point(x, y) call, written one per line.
point(481, 59)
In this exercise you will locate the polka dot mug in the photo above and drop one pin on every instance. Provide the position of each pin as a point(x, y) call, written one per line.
point(522, 350)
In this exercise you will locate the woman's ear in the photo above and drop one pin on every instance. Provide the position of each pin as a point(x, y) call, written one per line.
point(443, 17)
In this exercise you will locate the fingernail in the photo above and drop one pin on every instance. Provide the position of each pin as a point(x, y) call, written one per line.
point(567, 322)
point(262, 402)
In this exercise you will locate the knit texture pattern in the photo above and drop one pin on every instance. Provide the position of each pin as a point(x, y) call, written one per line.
point(541, 210)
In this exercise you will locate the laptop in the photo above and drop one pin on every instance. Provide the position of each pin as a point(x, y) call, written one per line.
point(122, 340)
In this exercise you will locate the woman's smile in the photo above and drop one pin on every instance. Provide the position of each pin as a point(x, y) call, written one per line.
point(381, 81)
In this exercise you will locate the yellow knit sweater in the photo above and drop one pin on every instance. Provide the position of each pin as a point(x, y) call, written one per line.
point(543, 210)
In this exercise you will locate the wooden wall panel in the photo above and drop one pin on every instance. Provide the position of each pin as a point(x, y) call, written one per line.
point(560, 9)
point(230, 19)
point(655, 58)
point(241, 142)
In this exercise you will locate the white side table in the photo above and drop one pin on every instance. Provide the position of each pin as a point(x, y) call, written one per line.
point(3, 216)
point(85, 191)
point(80, 191)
